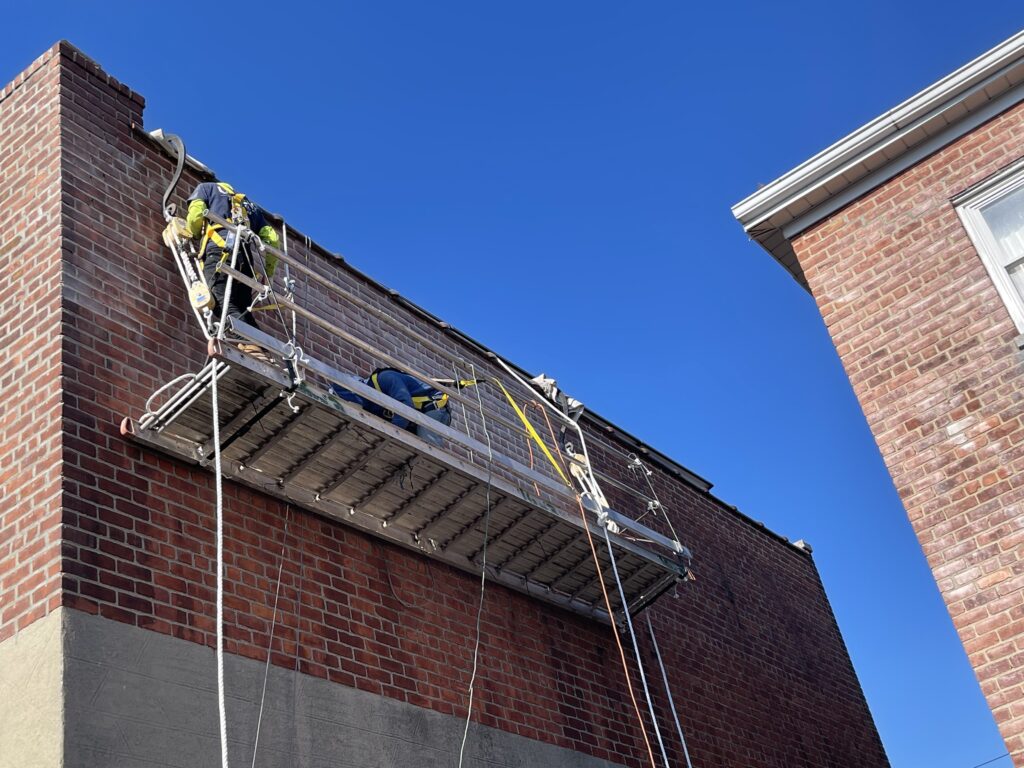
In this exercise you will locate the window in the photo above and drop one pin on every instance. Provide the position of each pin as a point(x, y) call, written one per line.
point(993, 214)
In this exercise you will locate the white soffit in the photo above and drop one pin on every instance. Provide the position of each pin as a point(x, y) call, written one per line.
point(879, 150)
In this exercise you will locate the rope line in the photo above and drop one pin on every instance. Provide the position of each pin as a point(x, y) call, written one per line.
point(219, 482)
point(608, 604)
point(273, 626)
point(615, 633)
point(465, 413)
point(591, 487)
point(994, 759)
point(483, 572)
point(636, 462)
point(607, 601)
point(636, 647)
point(668, 690)
point(529, 443)
point(532, 432)
point(272, 294)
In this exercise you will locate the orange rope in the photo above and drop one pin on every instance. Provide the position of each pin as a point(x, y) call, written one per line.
point(615, 631)
point(529, 445)
point(607, 602)
point(551, 431)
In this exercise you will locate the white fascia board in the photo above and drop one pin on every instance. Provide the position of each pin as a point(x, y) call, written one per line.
point(858, 148)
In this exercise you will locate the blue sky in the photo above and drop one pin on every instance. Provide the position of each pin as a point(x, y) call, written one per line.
point(555, 179)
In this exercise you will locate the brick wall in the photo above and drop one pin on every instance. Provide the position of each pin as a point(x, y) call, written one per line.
point(929, 349)
point(756, 660)
point(30, 272)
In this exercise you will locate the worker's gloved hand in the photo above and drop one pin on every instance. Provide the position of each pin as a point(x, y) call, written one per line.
point(176, 229)
point(269, 236)
point(181, 228)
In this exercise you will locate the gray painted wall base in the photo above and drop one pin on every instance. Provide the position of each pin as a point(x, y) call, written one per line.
point(139, 698)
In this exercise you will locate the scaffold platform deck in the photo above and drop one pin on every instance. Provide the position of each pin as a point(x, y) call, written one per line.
point(308, 448)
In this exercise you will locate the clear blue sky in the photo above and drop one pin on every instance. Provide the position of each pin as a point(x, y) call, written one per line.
point(555, 179)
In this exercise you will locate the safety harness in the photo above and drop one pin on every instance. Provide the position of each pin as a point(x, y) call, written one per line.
point(239, 217)
point(435, 401)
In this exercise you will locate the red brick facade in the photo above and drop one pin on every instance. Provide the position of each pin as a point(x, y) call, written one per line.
point(930, 350)
point(756, 660)
point(30, 303)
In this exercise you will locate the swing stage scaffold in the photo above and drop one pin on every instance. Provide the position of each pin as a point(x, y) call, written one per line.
point(279, 430)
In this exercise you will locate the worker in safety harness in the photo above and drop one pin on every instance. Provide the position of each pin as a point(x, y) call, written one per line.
point(217, 244)
point(407, 390)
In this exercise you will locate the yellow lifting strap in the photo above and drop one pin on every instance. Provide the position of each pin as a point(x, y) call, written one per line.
point(533, 432)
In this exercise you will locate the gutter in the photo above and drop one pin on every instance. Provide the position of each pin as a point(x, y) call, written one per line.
point(882, 148)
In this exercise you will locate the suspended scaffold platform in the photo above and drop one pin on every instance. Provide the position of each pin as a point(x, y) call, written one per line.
point(284, 435)
point(331, 457)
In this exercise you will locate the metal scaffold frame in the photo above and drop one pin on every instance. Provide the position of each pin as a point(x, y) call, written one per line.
point(284, 432)
point(279, 427)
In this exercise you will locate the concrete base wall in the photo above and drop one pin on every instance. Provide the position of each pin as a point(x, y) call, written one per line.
point(139, 698)
point(30, 695)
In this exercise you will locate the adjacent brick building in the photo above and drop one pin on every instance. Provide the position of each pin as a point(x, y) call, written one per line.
point(908, 233)
point(107, 547)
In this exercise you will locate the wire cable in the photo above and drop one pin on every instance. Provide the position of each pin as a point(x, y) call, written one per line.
point(465, 413)
point(668, 690)
point(483, 571)
point(607, 601)
point(636, 646)
point(646, 472)
point(615, 632)
point(988, 762)
point(269, 289)
point(636, 463)
point(273, 626)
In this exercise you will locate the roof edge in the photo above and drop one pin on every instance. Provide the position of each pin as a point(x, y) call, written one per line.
point(856, 146)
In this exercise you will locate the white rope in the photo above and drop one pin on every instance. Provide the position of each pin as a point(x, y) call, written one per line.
point(465, 413)
point(668, 690)
point(222, 714)
point(270, 642)
point(230, 282)
point(636, 647)
point(483, 567)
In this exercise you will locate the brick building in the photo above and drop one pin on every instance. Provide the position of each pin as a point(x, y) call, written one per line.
point(909, 233)
point(108, 540)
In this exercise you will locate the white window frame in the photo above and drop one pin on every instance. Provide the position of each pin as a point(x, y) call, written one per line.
point(969, 206)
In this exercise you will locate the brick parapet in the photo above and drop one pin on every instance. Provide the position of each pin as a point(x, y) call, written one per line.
point(930, 351)
point(751, 645)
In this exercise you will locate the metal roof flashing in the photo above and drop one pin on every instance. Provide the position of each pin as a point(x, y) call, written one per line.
point(882, 148)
